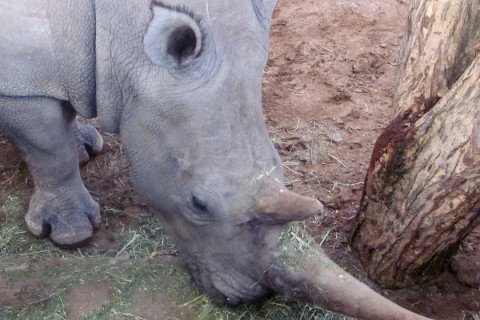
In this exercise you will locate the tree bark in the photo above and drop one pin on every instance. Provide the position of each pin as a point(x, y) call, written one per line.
point(422, 189)
point(438, 46)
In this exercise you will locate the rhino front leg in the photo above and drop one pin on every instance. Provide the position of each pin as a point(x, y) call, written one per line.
point(43, 129)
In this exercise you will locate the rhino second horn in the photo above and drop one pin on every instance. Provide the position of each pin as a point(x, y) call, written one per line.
point(277, 204)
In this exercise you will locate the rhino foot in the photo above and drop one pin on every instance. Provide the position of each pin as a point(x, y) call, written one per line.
point(89, 141)
point(68, 218)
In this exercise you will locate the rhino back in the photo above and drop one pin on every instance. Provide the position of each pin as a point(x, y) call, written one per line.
point(47, 49)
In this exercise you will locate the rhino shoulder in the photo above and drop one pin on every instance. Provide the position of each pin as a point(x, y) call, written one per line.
point(26, 50)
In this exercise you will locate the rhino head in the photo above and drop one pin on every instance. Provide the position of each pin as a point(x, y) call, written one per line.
point(199, 151)
point(193, 130)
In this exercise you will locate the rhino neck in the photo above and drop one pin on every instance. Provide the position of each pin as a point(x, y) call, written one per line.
point(118, 41)
point(77, 52)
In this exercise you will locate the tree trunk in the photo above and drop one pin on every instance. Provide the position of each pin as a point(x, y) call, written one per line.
point(438, 46)
point(421, 193)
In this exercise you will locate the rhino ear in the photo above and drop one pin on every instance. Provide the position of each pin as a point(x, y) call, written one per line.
point(172, 37)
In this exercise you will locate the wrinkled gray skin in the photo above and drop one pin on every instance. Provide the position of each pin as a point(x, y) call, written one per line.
point(181, 82)
point(182, 85)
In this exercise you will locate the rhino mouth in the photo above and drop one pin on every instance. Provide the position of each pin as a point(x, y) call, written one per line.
point(231, 288)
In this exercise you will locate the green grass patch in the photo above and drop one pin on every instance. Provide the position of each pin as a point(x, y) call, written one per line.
point(147, 241)
point(275, 308)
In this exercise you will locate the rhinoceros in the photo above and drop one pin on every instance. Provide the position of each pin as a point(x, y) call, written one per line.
point(181, 82)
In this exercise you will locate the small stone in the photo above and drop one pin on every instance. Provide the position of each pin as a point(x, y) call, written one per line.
point(335, 137)
point(290, 54)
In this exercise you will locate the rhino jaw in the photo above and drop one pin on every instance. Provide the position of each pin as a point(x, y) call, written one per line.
point(228, 287)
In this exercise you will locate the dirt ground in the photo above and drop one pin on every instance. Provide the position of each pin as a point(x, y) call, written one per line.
point(327, 96)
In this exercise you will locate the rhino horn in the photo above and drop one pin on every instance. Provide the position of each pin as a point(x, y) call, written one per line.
point(279, 205)
point(308, 275)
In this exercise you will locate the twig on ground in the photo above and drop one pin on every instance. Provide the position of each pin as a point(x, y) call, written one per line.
point(312, 144)
point(9, 180)
point(336, 159)
point(135, 236)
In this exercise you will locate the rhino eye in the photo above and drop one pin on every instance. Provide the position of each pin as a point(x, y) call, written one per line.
point(199, 204)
